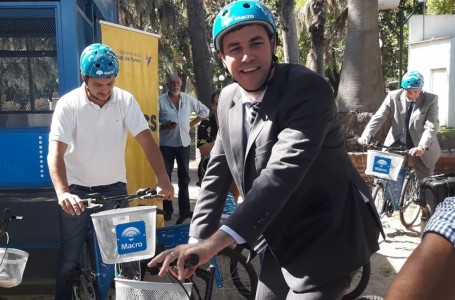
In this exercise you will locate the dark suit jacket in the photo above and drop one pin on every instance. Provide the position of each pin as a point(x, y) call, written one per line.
point(299, 186)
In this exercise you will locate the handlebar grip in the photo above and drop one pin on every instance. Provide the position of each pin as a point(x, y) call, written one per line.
point(192, 260)
point(10, 215)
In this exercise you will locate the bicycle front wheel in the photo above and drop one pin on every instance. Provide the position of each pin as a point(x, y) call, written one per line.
point(234, 277)
point(379, 198)
point(84, 286)
point(409, 209)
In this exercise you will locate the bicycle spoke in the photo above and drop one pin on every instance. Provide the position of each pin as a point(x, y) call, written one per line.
point(235, 279)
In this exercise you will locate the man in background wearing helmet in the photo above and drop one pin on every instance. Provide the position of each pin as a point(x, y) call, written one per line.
point(87, 150)
point(415, 123)
point(303, 198)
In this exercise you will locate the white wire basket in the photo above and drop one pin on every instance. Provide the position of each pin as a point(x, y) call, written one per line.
point(383, 164)
point(12, 266)
point(142, 290)
point(126, 234)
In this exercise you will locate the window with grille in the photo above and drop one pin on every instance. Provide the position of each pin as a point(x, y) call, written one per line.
point(28, 67)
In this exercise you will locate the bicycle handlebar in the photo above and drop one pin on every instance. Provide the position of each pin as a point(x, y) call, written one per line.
point(192, 260)
point(395, 149)
point(8, 216)
point(97, 200)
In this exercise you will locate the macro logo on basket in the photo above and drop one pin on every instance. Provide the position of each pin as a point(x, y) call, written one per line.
point(131, 237)
point(381, 164)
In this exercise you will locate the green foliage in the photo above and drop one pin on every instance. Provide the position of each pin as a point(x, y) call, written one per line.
point(440, 7)
point(169, 19)
point(448, 131)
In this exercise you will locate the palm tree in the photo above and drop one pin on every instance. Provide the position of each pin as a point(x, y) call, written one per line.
point(289, 31)
point(362, 85)
point(201, 55)
point(325, 21)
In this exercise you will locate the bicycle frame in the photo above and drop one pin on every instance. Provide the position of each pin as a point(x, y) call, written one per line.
point(102, 274)
point(400, 195)
point(389, 186)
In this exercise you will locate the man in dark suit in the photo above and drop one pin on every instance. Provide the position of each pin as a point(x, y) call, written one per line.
point(301, 192)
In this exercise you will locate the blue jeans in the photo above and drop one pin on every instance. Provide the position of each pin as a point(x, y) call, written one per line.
point(73, 232)
point(182, 156)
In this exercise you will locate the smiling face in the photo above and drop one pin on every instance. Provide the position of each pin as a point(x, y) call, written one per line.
point(247, 54)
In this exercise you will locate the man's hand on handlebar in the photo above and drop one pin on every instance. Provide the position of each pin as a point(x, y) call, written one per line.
point(166, 189)
point(417, 151)
point(71, 204)
point(363, 141)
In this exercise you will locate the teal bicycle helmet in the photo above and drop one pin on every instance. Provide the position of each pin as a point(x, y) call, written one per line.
point(412, 80)
point(99, 61)
point(238, 13)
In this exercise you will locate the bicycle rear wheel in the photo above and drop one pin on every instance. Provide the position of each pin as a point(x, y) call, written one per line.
point(379, 198)
point(359, 283)
point(409, 209)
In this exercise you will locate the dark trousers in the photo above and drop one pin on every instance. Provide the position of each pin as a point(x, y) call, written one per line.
point(73, 232)
point(272, 285)
point(182, 156)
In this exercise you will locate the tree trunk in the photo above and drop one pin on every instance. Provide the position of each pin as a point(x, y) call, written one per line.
point(315, 59)
point(361, 86)
point(290, 43)
point(203, 68)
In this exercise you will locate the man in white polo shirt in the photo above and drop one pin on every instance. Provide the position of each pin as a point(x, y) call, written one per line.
point(87, 150)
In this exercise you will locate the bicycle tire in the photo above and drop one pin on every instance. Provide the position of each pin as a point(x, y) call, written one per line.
point(379, 198)
point(239, 274)
point(409, 209)
point(84, 288)
point(234, 277)
point(359, 282)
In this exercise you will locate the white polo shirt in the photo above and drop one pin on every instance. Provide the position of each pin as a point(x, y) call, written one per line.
point(96, 136)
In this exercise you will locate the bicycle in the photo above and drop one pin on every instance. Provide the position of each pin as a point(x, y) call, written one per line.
point(399, 191)
point(93, 277)
point(12, 261)
point(233, 277)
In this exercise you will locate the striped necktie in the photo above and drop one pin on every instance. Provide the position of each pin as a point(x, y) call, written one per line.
point(254, 107)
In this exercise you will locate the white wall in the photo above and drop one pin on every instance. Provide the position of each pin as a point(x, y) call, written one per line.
point(432, 52)
point(426, 27)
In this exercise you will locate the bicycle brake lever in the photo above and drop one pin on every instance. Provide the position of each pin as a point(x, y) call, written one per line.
point(90, 204)
point(151, 195)
point(142, 191)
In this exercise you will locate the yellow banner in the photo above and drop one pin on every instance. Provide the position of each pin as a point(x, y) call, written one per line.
point(137, 52)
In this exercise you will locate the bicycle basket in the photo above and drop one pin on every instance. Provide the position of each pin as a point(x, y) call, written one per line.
point(141, 290)
point(171, 236)
point(383, 164)
point(125, 234)
point(12, 266)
